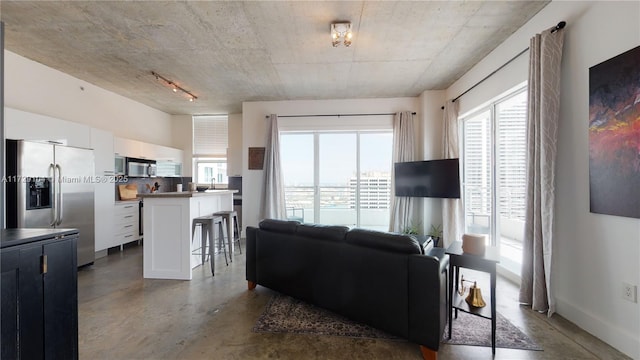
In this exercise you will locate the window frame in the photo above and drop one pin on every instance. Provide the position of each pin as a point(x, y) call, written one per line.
point(492, 108)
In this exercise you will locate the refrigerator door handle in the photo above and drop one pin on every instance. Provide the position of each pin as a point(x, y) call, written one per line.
point(60, 206)
point(54, 212)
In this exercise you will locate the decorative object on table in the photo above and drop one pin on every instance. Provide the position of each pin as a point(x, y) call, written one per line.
point(614, 135)
point(203, 188)
point(474, 298)
point(474, 244)
point(256, 158)
point(179, 187)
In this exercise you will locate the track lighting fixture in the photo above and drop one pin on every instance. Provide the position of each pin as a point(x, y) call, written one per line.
point(175, 87)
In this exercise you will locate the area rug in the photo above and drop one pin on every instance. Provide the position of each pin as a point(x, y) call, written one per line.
point(476, 331)
point(284, 314)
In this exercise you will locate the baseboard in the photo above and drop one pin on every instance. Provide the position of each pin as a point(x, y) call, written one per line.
point(603, 330)
point(101, 254)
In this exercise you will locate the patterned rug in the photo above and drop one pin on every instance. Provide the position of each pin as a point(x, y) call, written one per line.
point(476, 331)
point(284, 314)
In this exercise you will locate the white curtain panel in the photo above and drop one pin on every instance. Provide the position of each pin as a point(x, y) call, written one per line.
point(452, 209)
point(272, 205)
point(542, 133)
point(402, 208)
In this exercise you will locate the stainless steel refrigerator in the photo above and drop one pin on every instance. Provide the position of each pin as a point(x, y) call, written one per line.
point(51, 185)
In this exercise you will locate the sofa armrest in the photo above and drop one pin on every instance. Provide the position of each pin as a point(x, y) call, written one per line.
point(250, 248)
point(427, 297)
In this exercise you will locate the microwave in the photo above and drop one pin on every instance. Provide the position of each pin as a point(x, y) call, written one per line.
point(140, 167)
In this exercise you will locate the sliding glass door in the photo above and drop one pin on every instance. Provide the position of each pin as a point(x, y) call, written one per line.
point(338, 178)
point(494, 140)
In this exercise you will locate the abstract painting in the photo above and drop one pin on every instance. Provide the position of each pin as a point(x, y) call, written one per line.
point(614, 135)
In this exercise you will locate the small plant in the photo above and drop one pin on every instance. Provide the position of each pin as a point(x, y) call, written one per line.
point(435, 231)
point(436, 234)
point(412, 229)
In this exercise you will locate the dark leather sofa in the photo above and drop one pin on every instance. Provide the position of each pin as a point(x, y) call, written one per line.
point(380, 279)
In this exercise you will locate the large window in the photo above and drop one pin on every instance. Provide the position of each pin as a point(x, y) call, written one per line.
point(494, 141)
point(338, 178)
point(210, 142)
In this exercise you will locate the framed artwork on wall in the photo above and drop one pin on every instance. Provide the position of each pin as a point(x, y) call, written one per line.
point(256, 158)
point(614, 135)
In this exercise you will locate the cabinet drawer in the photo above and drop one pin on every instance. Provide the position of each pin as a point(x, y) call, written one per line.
point(125, 238)
point(126, 208)
point(132, 228)
point(125, 219)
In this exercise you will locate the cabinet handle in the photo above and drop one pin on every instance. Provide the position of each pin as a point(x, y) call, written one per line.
point(43, 264)
point(128, 236)
point(128, 226)
point(128, 216)
point(128, 206)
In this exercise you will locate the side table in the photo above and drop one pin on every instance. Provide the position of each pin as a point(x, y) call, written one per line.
point(486, 263)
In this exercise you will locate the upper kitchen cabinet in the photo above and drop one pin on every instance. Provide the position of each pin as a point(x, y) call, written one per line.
point(102, 145)
point(169, 160)
point(129, 148)
point(22, 125)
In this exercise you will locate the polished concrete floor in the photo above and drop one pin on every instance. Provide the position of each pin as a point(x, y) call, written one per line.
point(123, 316)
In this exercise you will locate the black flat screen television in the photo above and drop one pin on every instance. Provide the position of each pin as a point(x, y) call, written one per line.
point(431, 178)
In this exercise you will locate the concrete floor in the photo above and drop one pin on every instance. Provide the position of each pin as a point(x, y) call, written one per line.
point(123, 316)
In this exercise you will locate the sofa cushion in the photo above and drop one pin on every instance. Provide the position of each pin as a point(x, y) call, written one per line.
point(282, 226)
point(323, 232)
point(384, 241)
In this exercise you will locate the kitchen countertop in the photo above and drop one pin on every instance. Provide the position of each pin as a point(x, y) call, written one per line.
point(187, 194)
point(12, 237)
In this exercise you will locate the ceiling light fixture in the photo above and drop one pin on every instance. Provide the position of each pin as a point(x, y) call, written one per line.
point(341, 33)
point(175, 87)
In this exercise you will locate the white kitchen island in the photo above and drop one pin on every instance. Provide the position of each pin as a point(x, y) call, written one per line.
point(167, 217)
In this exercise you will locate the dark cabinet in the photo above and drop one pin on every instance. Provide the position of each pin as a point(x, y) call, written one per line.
point(39, 314)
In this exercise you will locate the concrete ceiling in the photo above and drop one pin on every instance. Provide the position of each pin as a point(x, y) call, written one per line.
point(229, 52)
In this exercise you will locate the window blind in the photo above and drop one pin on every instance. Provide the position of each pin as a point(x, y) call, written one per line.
point(210, 136)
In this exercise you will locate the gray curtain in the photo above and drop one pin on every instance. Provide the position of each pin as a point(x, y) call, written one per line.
point(402, 208)
point(272, 205)
point(542, 128)
point(452, 209)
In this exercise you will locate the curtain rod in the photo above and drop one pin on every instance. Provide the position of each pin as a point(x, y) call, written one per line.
point(560, 25)
point(338, 115)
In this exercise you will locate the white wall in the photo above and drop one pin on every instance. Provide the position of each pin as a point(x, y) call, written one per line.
point(234, 150)
point(592, 253)
point(431, 103)
point(182, 131)
point(35, 88)
point(254, 127)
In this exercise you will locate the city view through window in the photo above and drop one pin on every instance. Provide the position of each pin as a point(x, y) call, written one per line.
point(494, 140)
point(338, 178)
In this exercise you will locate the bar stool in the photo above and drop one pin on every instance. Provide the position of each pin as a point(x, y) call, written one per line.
point(207, 227)
point(231, 216)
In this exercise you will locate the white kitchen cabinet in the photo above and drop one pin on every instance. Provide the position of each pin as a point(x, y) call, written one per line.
point(126, 223)
point(143, 150)
point(29, 126)
point(129, 148)
point(104, 194)
point(169, 161)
